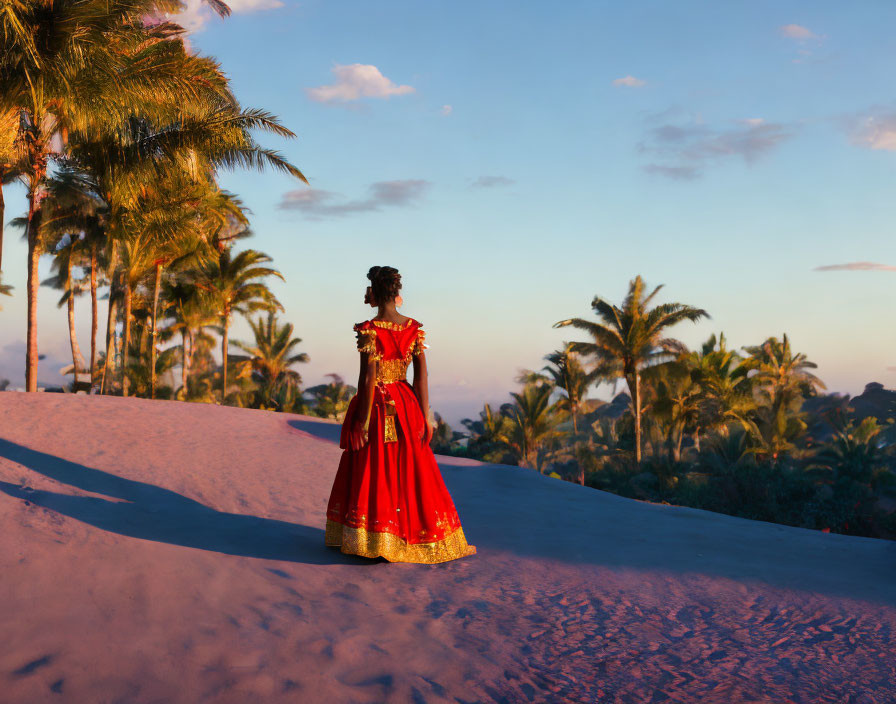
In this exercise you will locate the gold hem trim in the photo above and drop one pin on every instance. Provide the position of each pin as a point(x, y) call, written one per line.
point(368, 543)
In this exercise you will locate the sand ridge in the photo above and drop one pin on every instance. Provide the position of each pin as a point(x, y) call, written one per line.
point(173, 552)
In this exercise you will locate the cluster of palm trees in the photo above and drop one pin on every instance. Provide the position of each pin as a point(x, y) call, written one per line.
point(690, 421)
point(118, 132)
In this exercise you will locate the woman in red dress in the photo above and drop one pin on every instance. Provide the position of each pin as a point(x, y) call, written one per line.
point(388, 498)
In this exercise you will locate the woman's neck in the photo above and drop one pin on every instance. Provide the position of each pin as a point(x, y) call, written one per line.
point(387, 311)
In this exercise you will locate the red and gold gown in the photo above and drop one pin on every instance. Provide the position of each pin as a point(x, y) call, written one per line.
point(389, 498)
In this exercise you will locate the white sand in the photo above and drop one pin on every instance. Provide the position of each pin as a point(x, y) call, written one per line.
point(172, 552)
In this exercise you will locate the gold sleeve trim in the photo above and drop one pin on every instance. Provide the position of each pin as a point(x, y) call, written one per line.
point(367, 342)
point(419, 343)
point(392, 326)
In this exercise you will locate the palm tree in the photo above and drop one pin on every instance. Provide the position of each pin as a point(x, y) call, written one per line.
point(189, 313)
point(566, 373)
point(331, 400)
point(67, 255)
point(272, 356)
point(484, 435)
point(59, 72)
point(780, 373)
point(781, 382)
point(11, 158)
point(233, 283)
point(855, 451)
point(632, 337)
point(90, 66)
point(532, 422)
point(676, 400)
point(725, 394)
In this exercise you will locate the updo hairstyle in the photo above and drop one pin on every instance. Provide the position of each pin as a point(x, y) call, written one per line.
point(385, 283)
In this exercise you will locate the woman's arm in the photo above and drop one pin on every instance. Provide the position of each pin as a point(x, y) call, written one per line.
point(421, 390)
point(366, 378)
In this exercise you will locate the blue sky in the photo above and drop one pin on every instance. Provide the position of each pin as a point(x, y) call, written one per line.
point(515, 159)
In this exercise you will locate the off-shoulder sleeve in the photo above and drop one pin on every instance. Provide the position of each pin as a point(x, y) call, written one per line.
point(419, 342)
point(366, 340)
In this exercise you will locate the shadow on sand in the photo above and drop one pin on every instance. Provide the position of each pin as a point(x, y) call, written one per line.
point(141, 510)
point(320, 429)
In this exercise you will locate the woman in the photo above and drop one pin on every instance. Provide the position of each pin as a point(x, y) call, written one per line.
point(388, 499)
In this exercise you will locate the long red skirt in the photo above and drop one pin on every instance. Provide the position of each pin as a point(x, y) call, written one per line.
point(389, 498)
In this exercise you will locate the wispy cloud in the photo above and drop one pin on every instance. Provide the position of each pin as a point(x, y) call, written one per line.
point(805, 39)
point(197, 13)
point(492, 182)
point(356, 81)
point(684, 151)
point(874, 130)
point(857, 266)
point(677, 173)
point(797, 31)
point(630, 82)
point(317, 204)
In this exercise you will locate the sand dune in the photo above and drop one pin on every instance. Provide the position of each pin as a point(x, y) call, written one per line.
point(171, 552)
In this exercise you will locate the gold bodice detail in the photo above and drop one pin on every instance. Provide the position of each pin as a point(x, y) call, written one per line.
point(389, 371)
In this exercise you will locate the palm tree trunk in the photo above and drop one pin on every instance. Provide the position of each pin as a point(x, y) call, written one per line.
point(73, 337)
point(152, 350)
point(635, 389)
point(676, 455)
point(127, 338)
point(191, 358)
point(94, 312)
point(110, 318)
point(110, 336)
point(142, 347)
point(2, 211)
point(184, 362)
point(224, 359)
point(33, 228)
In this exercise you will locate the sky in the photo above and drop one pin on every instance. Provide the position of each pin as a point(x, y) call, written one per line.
point(515, 160)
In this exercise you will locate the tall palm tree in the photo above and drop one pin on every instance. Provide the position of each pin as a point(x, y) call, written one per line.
point(629, 338)
point(271, 356)
point(90, 66)
point(11, 160)
point(567, 373)
point(74, 215)
point(781, 374)
point(189, 314)
point(532, 422)
point(781, 382)
point(66, 255)
point(676, 400)
point(234, 283)
point(59, 72)
point(725, 392)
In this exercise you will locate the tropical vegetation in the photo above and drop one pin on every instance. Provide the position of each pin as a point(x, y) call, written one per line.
point(749, 433)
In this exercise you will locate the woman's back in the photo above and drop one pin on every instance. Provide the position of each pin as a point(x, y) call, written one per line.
point(385, 340)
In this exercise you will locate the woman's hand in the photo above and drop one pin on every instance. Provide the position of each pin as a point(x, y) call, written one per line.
point(357, 435)
point(426, 434)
